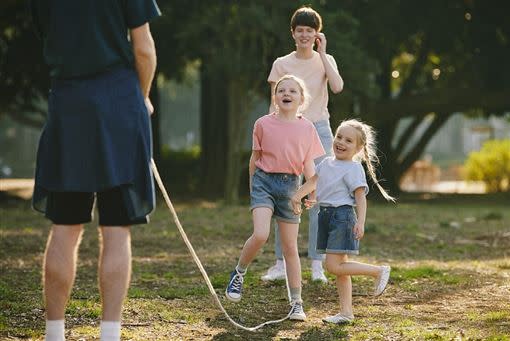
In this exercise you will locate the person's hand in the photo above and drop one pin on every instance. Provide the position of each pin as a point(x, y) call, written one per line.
point(359, 230)
point(309, 203)
point(320, 40)
point(148, 105)
point(296, 205)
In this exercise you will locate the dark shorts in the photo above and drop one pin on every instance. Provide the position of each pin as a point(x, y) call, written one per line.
point(72, 208)
point(97, 137)
point(335, 234)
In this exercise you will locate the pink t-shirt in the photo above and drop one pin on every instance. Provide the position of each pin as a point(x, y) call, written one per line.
point(285, 145)
point(312, 72)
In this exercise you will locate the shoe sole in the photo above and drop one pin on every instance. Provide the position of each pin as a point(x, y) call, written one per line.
point(339, 322)
point(297, 318)
point(231, 299)
point(385, 286)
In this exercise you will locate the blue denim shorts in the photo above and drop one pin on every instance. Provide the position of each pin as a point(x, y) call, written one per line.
point(274, 190)
point(335, 234)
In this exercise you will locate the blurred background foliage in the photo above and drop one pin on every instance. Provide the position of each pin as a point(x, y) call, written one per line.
point(401, 60)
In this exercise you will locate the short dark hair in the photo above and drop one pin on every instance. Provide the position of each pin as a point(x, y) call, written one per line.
point(306, 16)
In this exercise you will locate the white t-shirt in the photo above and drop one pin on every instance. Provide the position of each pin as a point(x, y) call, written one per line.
point(312, 72)
point(337, 181)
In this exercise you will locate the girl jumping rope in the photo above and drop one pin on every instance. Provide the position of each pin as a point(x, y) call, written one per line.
point(284, 146)
point(341, 186)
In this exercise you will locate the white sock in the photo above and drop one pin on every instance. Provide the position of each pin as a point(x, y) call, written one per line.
point(110, 330)
point(316, 264)
point(279, 263)
point(55, 330)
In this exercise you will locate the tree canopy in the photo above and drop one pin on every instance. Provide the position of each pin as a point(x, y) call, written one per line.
point(399, 59)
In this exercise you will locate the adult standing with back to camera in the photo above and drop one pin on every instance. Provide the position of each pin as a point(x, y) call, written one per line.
point(96, 144)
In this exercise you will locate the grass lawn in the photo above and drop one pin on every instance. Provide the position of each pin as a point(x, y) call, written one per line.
point(450, 280)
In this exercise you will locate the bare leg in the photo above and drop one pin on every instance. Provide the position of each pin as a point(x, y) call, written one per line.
point(343, 284)
point(338, 265)
point(60, 268)
point(344, 288)
point(261, 227)
point(288, 237)
point(114, 269)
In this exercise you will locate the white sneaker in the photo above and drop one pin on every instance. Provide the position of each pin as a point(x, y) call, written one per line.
point(296, 311)
point(274, 273)
point(382, 280)
point(338, 319)
point(318, 272)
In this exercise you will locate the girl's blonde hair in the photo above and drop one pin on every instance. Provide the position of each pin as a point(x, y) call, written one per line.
point(305, 96)
point(368, 153)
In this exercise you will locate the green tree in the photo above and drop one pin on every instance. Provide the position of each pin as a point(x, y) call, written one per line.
point(450, 57)
point(491, 165)
point(23, 76)
point(236, 43)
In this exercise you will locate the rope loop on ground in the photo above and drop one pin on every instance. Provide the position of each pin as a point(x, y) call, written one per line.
point(197, 260)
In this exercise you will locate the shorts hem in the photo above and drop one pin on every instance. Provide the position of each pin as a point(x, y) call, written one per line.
point(76, 221)
point(349, 252)
point(252, 207)
point(287, 220)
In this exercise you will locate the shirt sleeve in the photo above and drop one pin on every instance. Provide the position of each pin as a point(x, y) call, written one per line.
point(332, 61)
point(257, 136)
point(276, 71)
point(139, 12)
point(318, 168)
point(355, 178)
point(315, 150)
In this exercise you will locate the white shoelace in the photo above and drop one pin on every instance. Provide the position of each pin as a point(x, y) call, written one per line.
point(237, 282)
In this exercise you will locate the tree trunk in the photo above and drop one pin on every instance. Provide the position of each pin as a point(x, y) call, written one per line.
point(213, 140)
point(389, 172)
point(238, 109)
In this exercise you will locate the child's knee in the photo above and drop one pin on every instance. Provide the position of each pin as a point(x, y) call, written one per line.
point(333, 264)
point(260, 237)
point(289, 250)
point(343, 278)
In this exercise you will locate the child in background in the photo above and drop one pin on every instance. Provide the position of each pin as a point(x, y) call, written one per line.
point(317, 69)
point(284, 146)
point(341, 186)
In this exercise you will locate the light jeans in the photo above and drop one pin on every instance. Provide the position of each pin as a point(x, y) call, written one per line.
point(326, 137)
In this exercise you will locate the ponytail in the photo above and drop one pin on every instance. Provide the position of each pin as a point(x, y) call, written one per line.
point(368, 155)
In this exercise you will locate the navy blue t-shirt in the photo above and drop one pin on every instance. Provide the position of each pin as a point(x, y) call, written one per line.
point(86, 37)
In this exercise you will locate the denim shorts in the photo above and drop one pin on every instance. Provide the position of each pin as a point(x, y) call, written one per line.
point(335, 234)
point(274, 190)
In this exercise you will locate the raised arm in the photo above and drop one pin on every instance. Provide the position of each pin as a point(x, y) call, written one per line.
point(145, 59)
point(335, 81)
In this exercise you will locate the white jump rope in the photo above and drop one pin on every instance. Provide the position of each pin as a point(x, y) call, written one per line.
point(199, 263)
